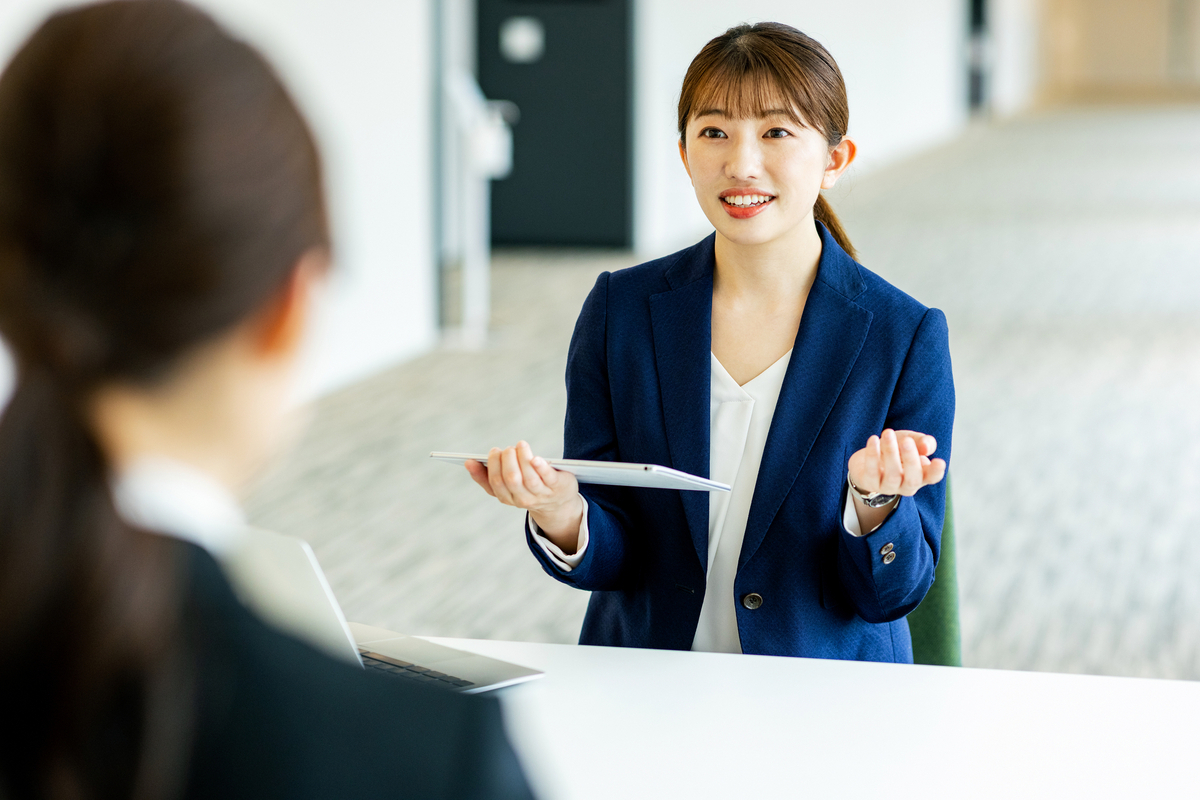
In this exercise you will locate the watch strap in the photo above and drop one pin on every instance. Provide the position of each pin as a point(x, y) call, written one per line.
point(869, 499)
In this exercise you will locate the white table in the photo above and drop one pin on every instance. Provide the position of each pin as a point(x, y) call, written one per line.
point(620, 723)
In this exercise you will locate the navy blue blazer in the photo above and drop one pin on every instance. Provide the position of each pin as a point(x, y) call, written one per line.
point(866, 357)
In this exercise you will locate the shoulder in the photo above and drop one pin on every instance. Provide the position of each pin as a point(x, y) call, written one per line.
point(663, 274)
point(268, 700)
point(843, 275)
point(899, 323)
point(625, 295)
point(883, 298)
point(228, 636)
point(903, 330)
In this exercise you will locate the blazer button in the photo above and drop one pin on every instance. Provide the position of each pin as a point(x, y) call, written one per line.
point(890, 557)
point(887, 548)
point(752, 600)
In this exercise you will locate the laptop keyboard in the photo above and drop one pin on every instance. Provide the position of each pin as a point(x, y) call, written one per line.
point(412, 672)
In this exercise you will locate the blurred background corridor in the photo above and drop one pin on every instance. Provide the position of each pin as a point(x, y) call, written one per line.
point(1031, 167)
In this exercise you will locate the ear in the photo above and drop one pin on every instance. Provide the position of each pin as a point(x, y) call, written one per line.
point(840, 159)
point(280, 326)
point(683, 157)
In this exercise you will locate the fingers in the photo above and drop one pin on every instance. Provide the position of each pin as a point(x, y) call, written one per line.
point(913, 477)
point(891, 467)
point(926, 444)
point(897, 462)
point(547, 473)
point(516, 477)
point(496, 477)
point(868, 479)
point(530, 476)
point(931, 470)
point(479, 474)
point(934, 471)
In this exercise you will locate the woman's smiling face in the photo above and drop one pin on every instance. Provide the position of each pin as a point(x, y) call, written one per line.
point(757, 178)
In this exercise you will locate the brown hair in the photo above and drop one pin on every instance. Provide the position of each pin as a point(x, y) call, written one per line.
point(157, 186)
point(752, 68)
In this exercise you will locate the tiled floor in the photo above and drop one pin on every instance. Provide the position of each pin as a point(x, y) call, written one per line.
point(1065, 250)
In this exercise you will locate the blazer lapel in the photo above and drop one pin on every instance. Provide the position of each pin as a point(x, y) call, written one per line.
point(832, 331)
point(682, 324)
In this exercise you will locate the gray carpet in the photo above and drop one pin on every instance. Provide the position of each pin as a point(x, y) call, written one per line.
point(1065, 250)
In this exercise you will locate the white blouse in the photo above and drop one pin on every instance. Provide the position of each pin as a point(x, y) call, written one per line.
point(170, 497)
point(739, 421)
point(740, 418)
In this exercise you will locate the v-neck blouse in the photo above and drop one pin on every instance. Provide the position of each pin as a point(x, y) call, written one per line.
point(739, 421)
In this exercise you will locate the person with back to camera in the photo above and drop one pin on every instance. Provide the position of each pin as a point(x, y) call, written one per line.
point(162, 234)
point(763, 357)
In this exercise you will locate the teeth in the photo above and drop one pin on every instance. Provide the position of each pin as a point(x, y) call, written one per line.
point(747, 199)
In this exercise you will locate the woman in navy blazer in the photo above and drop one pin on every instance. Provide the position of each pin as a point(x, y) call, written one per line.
point(841, 539)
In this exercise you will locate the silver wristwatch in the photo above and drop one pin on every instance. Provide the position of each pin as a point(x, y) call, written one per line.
point(869, 499)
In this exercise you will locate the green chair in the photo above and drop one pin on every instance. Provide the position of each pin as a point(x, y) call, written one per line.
point(936, 637)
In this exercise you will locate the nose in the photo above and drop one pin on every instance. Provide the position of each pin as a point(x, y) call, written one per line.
point(745, 159)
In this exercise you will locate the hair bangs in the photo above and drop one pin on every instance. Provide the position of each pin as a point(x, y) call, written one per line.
point(744, 86)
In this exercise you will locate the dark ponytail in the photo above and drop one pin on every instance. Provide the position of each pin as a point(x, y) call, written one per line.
point(87, 607)
point(823, 213)
point(157, 187)
point(749, 69)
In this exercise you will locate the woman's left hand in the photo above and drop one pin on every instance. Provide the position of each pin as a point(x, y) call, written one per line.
point(897, 462)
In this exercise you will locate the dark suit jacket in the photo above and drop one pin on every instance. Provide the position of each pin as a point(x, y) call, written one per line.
point(867, 356)
point(279, 719)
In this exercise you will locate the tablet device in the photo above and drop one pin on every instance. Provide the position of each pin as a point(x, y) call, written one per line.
point(614, 473)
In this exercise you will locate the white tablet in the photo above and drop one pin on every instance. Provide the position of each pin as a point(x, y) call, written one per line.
point(614, 473)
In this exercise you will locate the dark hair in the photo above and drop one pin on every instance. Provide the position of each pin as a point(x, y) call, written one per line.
point(157, 186)
point(752, 68)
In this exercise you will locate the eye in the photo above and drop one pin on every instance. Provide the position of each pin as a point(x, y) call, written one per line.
point(712, 133)
point(777, 133)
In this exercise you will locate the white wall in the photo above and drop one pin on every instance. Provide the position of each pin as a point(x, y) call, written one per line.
point(1015, 55)
point(362, 71)
point(904, 68)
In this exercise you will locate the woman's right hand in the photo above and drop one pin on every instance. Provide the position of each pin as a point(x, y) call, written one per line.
point(516, 477)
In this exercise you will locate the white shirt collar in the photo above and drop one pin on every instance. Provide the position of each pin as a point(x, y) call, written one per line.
point(173, 498)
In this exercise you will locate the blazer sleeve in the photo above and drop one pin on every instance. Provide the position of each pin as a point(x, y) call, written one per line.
point(884, 589)
point(590, 433)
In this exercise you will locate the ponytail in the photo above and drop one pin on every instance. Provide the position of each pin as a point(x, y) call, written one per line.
point(90, 662)
point(823, 213)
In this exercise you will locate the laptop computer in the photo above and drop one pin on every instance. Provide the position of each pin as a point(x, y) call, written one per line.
point(278, 577)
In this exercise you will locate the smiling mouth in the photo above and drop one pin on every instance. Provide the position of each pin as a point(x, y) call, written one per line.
point(747, 200)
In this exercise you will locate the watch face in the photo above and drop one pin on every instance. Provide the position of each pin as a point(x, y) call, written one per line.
point(878, 500)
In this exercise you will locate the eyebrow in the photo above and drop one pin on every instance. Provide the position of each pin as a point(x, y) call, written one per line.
point(770, 112)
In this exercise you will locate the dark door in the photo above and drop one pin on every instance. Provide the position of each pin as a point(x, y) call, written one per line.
point(977, 77)
point(566, 65)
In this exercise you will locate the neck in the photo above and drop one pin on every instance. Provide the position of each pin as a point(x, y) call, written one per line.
point(784, 267)
point(133, 427)
point(218, 413)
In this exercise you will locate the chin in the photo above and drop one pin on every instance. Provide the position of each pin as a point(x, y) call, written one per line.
point(763, 229)
point(748, 235)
